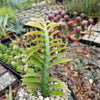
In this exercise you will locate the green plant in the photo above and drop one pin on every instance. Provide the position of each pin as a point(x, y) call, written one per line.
point(16, 58)
point(46, 59)
point(3, 26)
point(17, 27)
point(89, 7)
point(9, 96)
point(7, 11)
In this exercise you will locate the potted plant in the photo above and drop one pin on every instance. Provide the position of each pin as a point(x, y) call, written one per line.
point(83, 27)
point(63, 31)
point(76, 37)
point(17, 27)
point(7, 11)
point(66, 17)
point(34, 79)
point(78, 20)
point(3, 27)
point(70, 27)
point(74, 15)
point(82, 15)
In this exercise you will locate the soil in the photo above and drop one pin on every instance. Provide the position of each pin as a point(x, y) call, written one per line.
point(82, 74)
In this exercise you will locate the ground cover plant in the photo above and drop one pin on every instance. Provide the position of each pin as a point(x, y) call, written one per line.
point(15, 57)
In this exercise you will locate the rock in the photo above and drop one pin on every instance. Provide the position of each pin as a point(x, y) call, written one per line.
point(41, 97)
point(51, 98)
point(46, 98)
point(97, 40)
point(20, 98)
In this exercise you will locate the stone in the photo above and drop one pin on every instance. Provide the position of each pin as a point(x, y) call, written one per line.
point(97, 40)
point(46, 98)
point(95, 33)
point(41, 97)
point(51, 98)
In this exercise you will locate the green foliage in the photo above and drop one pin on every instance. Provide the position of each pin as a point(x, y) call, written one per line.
point(57, 93)
point(17, 27)
point(7, 11)
point(9, 96)
point(45, 60)
point(3, 26)
point(89, 7)
point(16, 57)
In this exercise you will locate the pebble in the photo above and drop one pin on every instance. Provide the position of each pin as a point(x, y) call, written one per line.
point(46, 98)
point(40, 97)
point(23, 94)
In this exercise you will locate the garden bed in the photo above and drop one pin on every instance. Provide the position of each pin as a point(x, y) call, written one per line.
point(83, 73)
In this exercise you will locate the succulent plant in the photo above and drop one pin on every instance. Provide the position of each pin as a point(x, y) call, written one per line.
point(83, 24)
point(82, 15)
point(56, 13)
point(63, 27)
point(78, 20)
point(90, 21)
point(35, 80)
point(78, 30)
point(70, 25)
point(75, 14)
point(63, 14)
point(62, 20)
point(50, 17)
point(66, 17)
point(60, 11)
point(55, 19)
point(58, 16)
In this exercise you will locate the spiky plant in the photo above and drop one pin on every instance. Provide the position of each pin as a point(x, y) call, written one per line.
point(45, 60)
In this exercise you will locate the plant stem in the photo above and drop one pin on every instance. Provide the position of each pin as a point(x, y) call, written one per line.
point(46, 67)
point(77, 35)
point(83, 28)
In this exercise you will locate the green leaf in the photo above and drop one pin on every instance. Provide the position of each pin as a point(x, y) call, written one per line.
point(34, 32)
point(33, 92)
point(38, 20)
point(52, 79)
point(32, 84)
point(56, 55)
point(53, 33)
point(38, 39)
point(35, 24)
point(31, 79)
point(58, 44)
point(32, 74)
point(51, 24)
point(37, 62)
point(60, 60)
point(36, 46)
point(57, 93)
point(40, 54)
point(38, 57)
point(54, 25)
point(54, 40)
point(58, 86)
point(10, 93)
point(59, 49)
point(31, 53)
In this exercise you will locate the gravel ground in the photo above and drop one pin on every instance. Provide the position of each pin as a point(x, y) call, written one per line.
point(23, 94)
